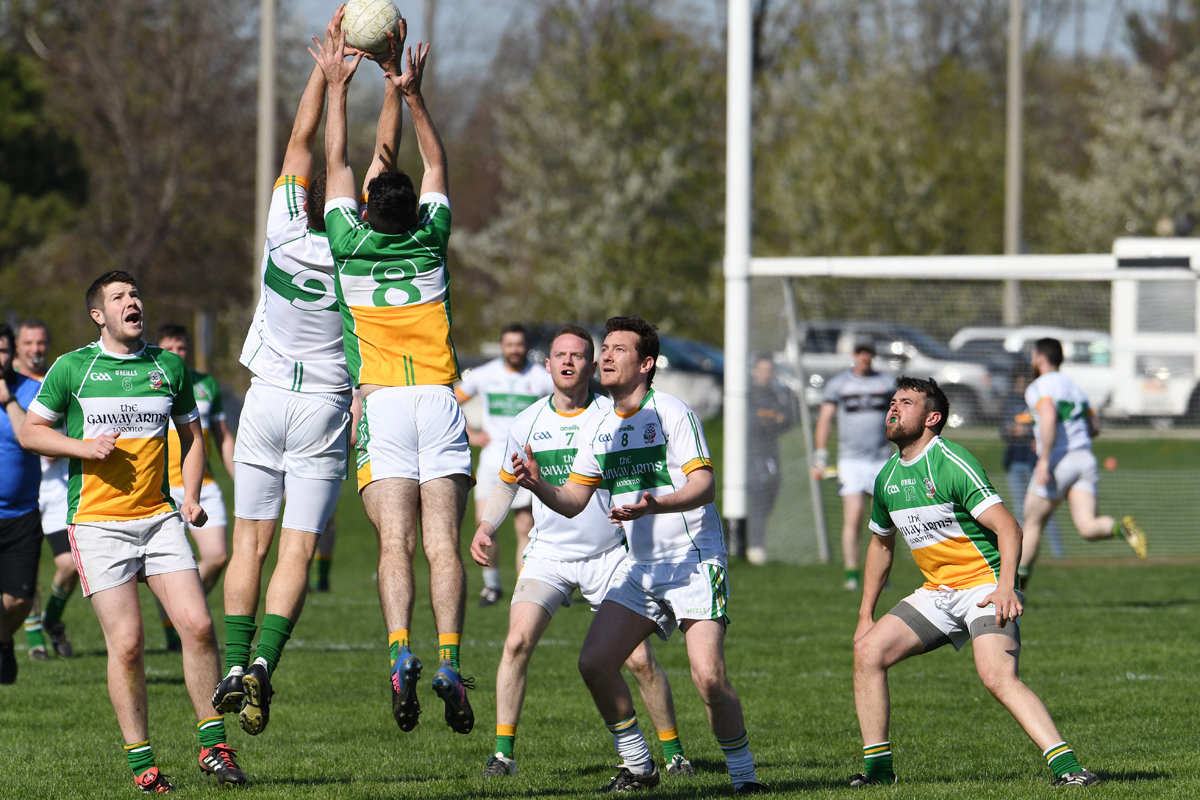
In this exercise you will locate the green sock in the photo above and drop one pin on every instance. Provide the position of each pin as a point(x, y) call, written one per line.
point(140, 756)
point(878, 761)
point(323, 565)
point(1062, 760)
point(56, 604)
point(506, 739)
point(1117, 530)
point(852, 575)
point(276, 631)
point(1024, 572)
point(670, 743)
point(172, 634)
point(448, 647)
point(33, 631)
point(239, 633)
point(211, 731)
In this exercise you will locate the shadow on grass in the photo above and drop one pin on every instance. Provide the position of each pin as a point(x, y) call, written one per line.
point(1160, 603)
point(158, 679)
point(1133, 776)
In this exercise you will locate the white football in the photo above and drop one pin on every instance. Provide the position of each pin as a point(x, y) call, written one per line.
point(367, 23)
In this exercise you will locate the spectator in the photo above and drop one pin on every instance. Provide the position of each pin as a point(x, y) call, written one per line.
point(773, 407)
point(1016, 431)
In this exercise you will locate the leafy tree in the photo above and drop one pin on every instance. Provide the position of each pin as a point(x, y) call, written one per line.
point(612, 178)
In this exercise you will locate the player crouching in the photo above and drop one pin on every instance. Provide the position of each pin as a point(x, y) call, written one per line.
point(967, 545)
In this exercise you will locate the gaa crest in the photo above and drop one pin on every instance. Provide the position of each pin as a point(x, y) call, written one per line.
point(930, 489)
point(650, 432)
point(156, 379)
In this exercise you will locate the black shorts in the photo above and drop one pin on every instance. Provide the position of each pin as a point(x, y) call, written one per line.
point(60, 542)
point(20, 549)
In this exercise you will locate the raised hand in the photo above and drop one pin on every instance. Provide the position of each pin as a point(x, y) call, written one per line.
point(526, 470)
point(388, 59)
point(100, 448)
point(331, 54)
point(409, 83)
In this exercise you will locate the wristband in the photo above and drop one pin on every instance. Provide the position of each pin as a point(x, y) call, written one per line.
point(821, 458)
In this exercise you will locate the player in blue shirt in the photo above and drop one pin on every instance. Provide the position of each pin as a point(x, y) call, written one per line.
point(20, 521)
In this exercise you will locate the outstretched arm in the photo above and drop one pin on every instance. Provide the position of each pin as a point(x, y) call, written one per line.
point(700, 490)
point(387, 134)
point(568, 499)
point(433, 155)
point(331, 59)
point(298, 159)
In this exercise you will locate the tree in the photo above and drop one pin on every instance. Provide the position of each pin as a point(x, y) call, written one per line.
point(612, 175)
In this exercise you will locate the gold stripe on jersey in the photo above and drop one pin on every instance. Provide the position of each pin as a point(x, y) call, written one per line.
point(294, 180)
point(695, 464)
point(507, 478)
point(584, 480)
point(405, 345)
point(122, 487)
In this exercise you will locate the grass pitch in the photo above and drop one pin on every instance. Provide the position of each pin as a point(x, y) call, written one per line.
point(1110, 647)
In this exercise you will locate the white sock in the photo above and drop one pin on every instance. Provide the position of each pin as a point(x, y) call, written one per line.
point(738, 760)
point(491, 578)
point(263, 661)
point(236, 670)
point(631, 746)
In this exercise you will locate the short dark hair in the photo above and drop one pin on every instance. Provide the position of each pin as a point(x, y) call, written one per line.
point(515, 327)
point(391, 203)
point(96, 290)
point(647, 346)
point(314, 202)
point(33, 322)
point(764, 356)
point(1051, 348)
point(172, 331)
point(935, 398)
point(6, 333)
point(575, 330)
point(864, 345)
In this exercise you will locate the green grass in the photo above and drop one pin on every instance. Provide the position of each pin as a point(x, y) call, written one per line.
point(1110, 649)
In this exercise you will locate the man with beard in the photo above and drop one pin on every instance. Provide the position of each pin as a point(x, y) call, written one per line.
point(967, 545)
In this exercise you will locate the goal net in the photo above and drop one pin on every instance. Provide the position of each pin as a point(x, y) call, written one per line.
point(1131, 338)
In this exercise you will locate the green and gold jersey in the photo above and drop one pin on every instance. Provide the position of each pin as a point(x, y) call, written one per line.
point(135, 395)
point(208, 403)
point(934, 502)
point(392, 290)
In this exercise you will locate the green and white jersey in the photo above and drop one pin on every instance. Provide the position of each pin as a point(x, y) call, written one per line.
point(295, 340)
point(211, 409)
point(934, 501)
point(393, 294)
point(555, 437)
point(652, 450)
point(1072, 406)
point(505, 394)
point(135, 395)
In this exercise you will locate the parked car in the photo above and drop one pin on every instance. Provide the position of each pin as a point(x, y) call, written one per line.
point(1087, 355)
point(827, 348)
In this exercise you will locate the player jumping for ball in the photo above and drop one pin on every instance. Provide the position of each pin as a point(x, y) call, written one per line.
point(967, 545)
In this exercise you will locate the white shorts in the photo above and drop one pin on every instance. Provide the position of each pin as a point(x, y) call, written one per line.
point(549, 583)
point(413, 432)
point(52, 497)
point(485, 480)
point(857, 475)
point(950, 616)
point(259, 493)
point(108, 554)
point(1076, 469)
point(212, 500)
point(668, 593)
point(305, 434)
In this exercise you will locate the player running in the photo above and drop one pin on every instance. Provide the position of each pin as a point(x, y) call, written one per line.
point(1064, 427)
point(509, 385)
point(966, 543)
point(648, 461)
point(210, 539)
point(116, 396)
point(414, 463)
point(32, 343)
point(859, 398)
point(564, 554)
point(294, 432)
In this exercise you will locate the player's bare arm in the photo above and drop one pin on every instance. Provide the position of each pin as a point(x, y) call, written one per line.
point(568, 499)
point(700, 490)
point(1093, 424)
point(298, 159)
point(498, 504)
point(1000, 521)
point(433, 154)
point(192, 460)
point(338, 72)
point(223, 441)
point(387, 134)
point(39, 436)
point(1047, 422)
point(821, 438)
point(881, 551)
point(16, 414)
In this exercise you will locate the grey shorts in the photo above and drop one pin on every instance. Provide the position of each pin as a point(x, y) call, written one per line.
point(1075, 470)
point(951, 616)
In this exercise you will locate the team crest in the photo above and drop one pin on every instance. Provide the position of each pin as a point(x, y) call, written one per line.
point(930, 489)
point(650, 432)
point(155, 379)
